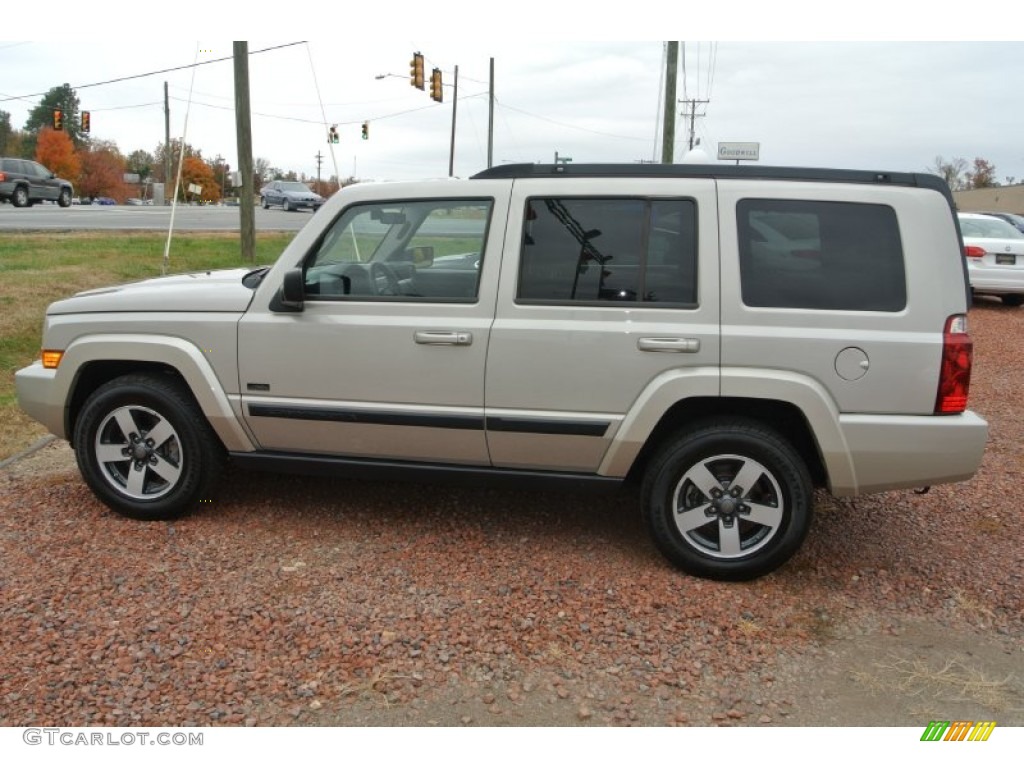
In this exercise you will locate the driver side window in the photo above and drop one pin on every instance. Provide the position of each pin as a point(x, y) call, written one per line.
point(417, 250)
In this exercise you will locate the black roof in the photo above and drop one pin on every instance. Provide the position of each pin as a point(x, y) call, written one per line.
point(723, 171)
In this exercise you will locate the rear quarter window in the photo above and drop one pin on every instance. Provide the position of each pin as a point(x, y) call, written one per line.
point(806, 254)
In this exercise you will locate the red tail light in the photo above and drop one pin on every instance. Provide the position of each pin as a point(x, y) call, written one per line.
point(3, 176)
point(955, 371)
point(974, 251)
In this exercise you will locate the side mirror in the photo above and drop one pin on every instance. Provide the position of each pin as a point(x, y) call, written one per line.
point(293, 290)
point(422, 255)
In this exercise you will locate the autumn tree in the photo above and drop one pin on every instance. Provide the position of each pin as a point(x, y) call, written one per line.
point(103, 172)
point(196, 171)
point(982, 175)
point(55, 150)
point(160, 155)
point(220, 169)
point(325, 188)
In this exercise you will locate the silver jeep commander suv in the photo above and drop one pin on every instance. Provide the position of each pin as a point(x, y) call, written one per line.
point(729, 337)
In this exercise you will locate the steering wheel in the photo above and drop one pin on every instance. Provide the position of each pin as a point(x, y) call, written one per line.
point(383, 280)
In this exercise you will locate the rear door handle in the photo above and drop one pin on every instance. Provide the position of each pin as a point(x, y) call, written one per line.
point(449, 338)
point(667, 344)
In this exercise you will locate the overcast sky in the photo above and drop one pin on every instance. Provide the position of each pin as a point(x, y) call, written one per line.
point(559, 87)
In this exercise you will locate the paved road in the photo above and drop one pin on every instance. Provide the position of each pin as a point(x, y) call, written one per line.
point(120, 217)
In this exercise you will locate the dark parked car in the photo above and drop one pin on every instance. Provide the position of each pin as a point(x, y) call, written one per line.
point(1012, 218)
point(25, 182)
point(290, 195)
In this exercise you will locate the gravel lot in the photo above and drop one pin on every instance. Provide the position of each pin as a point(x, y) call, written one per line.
point(297, 601)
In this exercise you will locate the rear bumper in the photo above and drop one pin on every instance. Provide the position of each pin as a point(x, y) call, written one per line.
point(997, 279)
point(891, 452)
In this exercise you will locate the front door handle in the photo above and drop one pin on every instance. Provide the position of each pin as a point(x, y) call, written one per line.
point(668, 344)
point(449, 338)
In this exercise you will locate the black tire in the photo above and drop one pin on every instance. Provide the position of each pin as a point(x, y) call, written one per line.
point(64, 198)
point(132, 475)
point(20, 198)
point(264, 203)
point(714, 533)
point(1012, 299)
point(286, 204)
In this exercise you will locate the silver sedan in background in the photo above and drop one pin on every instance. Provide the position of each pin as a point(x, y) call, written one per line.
point(290, 195)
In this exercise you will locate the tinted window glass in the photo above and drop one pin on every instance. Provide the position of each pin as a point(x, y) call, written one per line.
point(415, 250)
point(614, 250)
point(820, 255)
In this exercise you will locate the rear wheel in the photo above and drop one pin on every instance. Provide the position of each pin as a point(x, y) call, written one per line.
point(20, 198)
point(1012, 299)
point(145, 449)
point(729, 501)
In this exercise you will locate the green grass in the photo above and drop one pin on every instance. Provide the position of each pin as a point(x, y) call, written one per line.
point(36, 269)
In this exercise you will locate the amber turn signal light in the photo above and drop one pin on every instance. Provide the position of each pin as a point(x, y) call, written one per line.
point(51, 357)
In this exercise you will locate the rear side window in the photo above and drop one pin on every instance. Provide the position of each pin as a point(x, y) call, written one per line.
point(614, 250)
point(807, 254)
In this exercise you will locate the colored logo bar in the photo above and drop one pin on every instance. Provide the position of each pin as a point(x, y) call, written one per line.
point(958, 730)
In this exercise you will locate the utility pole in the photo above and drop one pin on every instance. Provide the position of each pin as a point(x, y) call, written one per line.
point(490, 120)
point(243, 130)
point(668, 132)
point(167, 146)
point(319, 162)
point(455, 104)
point(693, 114)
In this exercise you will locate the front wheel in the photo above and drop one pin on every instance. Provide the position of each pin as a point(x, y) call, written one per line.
point(64, 198)
point(264, 203)
point(728, 501)
point(144, 448)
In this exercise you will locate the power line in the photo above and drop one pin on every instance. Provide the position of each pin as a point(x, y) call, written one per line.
point(569, 125)
point(155, 72)
point(317, 122)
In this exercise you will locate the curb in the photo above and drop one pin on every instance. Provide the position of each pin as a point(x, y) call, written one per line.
point(36, 446)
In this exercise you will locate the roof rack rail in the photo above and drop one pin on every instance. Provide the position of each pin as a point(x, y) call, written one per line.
point(684, 171)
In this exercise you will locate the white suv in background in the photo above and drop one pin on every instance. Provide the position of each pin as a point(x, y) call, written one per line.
point(728, 337)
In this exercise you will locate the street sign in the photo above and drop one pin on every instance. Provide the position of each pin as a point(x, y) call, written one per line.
point(739, 150)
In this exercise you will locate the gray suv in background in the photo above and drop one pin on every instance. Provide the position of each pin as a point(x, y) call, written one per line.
point(728, 338)
point(25, 182)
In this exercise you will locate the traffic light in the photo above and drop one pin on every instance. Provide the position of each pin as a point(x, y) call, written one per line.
point(58, 120)
point(85, 122)
point(332, 135)
point(435, 85)
point(366, 130)
point(416, 71)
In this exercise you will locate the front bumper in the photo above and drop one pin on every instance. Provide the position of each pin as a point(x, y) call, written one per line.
point(40, 397)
